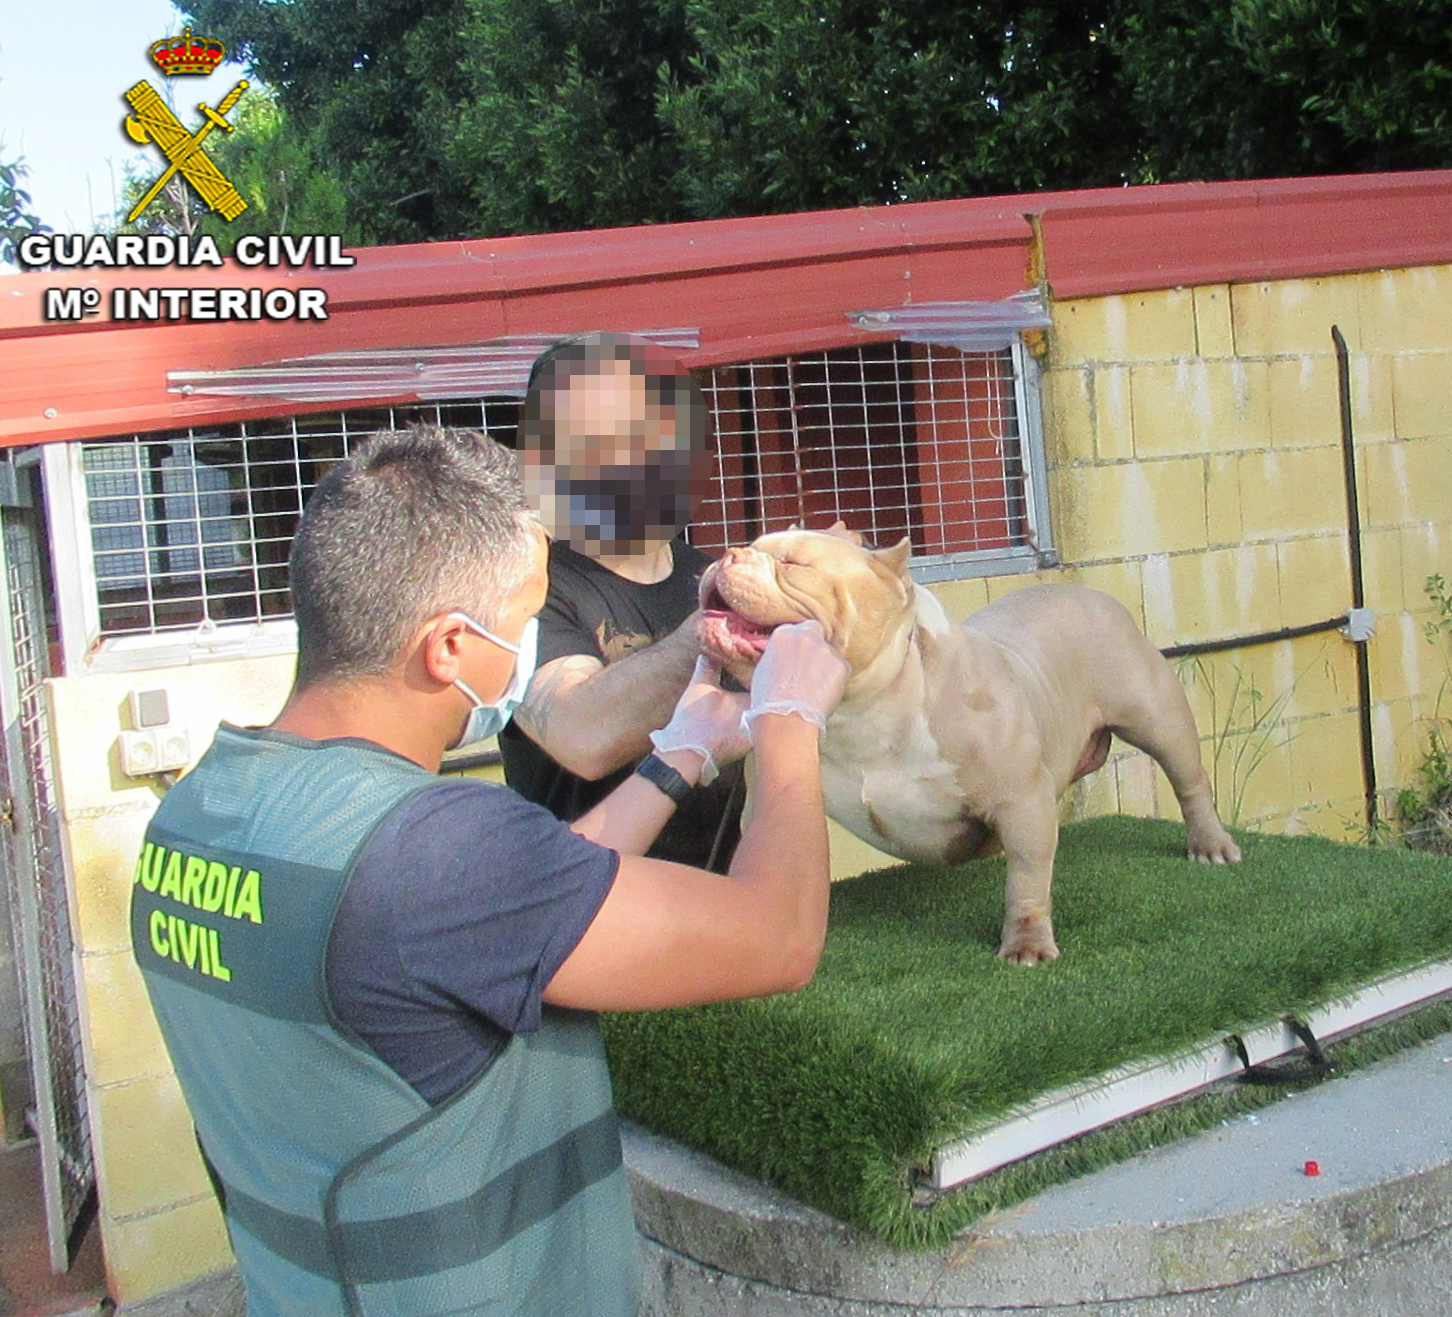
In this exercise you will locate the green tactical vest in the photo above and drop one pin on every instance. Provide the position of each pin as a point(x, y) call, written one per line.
point(343, 1190)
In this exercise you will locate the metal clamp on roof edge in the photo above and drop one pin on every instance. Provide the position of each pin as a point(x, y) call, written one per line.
point(967, 326)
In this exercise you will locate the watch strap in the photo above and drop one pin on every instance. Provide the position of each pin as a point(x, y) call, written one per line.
point(663, 777)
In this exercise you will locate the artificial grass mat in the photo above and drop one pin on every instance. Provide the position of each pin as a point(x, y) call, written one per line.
point(914, 1034)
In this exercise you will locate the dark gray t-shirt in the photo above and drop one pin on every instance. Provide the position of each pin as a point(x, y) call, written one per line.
point(461, 907)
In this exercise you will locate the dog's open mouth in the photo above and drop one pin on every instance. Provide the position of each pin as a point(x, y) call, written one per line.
point(729, 630)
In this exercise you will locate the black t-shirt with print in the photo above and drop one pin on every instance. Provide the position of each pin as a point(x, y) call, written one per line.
point(592, 611)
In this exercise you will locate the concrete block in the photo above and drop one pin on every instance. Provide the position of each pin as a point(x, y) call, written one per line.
point(123, 1040)
point(222, 1295)
point(146, 1152)
point(1326, 759)
point(1305, 402)
point(1294, 316)
point(1222, 500)
point(1421, 395)
point(1090, 797)
point(1069, 400)
point(1406, 310)
point(1401, 738)
point(1138, 508)
point(1251, 774)
point(105, 842)
point(1382, 573)
point(1214, 333)
point(1373, 414)
point(1232, 692)
point(1156, 326)
point(149, 1256)
point(1136, 784)
point(1403, 663)
point(1318, 673)
point(1426, 551)
point(1403, 482)
point(1212, 595)
point(1200, 407)
point(1297, 492)
point(1113, 414)
point(1315, 578)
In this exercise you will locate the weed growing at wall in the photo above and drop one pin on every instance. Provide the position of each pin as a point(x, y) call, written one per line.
point(1245, 728)
point(1425, 809)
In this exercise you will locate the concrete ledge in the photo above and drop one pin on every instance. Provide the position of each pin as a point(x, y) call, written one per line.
point(1211, 1224)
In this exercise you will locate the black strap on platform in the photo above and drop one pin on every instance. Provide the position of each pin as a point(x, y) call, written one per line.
point(1285, 1070)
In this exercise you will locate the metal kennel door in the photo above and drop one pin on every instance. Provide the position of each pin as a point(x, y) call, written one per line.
point(34, 867)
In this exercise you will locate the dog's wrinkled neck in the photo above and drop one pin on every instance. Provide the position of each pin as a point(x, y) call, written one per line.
point(886, 666)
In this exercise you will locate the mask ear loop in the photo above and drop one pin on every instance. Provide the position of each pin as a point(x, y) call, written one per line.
point(478, 703)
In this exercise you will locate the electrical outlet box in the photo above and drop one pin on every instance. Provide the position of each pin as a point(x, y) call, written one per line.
point(1360, 624)
point(155, 750)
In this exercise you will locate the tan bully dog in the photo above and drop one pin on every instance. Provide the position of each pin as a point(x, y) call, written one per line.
point(954, 740)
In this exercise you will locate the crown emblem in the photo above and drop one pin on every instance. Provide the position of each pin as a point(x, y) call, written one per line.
point(187, 55)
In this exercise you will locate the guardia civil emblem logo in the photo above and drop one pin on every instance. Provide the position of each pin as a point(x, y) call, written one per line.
point(151, 120)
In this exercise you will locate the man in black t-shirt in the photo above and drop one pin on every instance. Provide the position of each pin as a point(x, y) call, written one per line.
point(613, 437)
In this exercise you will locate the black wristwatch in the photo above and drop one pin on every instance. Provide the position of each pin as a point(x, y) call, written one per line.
point(661, 775)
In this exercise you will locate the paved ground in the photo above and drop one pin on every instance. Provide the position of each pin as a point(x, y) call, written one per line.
point(28, 1288)
point(1225, 1224)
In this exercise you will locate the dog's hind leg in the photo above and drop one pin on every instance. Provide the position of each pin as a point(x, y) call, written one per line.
point(1160, 723)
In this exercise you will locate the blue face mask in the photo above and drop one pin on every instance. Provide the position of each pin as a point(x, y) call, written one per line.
point(490, 719)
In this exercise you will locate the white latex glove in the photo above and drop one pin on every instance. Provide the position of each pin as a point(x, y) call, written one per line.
point(799, 673)
point(707, 720)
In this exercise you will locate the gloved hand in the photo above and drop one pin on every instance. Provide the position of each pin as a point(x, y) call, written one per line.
point(707, 720)
point(798, 673)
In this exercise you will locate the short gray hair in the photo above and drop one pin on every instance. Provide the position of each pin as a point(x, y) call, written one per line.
point(412, 524)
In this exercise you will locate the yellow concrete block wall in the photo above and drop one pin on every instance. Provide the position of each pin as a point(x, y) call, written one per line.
point(160, 1226)
point(1194, 438)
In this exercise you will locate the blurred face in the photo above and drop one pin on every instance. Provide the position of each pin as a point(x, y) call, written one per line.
point(629, 464)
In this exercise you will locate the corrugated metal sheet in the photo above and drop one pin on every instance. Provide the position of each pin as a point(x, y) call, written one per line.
point(756, 288)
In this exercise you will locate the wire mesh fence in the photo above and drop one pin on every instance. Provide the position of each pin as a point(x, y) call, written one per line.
point(896, 439)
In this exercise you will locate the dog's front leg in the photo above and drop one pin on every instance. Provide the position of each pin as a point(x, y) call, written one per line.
point(1028, 828)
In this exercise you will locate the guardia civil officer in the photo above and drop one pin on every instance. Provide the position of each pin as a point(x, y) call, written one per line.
point(388, 1048)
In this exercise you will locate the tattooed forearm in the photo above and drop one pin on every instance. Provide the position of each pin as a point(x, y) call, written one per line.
point(538, 713)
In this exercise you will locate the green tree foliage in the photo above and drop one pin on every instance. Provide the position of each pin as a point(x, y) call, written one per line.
point(844, 102)
point(361, 80)
point(453, 118)
point(16, 219)
point(560, 127)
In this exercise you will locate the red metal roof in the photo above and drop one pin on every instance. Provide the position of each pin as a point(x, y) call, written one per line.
point(755, 288)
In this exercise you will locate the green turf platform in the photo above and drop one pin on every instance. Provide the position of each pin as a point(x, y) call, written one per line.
point(914, 1034)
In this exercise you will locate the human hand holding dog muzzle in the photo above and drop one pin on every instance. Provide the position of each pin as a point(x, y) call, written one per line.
point(707, 720)
point(799, 673)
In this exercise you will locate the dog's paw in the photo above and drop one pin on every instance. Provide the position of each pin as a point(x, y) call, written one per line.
point(1217, 847)
point(1028, 941)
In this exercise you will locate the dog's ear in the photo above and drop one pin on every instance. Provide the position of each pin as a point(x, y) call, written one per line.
point(839, 529)
point(895, 559)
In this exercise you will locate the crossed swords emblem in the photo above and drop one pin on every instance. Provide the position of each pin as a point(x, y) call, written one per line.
point(153, 121)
